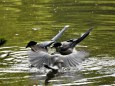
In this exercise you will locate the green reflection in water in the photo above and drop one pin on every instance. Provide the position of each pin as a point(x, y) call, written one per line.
point(25, 20)
point(16, 79)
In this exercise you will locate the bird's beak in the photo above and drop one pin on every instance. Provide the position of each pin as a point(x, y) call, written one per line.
point(27, 46)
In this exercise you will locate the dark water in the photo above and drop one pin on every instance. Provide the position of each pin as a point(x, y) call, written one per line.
point(25, 20)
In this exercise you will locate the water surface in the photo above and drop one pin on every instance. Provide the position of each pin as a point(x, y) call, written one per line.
point(25, 20)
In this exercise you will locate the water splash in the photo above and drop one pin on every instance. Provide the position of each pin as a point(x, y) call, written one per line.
point(89, 72)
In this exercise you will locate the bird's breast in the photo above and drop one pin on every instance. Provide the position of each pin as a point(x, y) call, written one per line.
point(66, 52)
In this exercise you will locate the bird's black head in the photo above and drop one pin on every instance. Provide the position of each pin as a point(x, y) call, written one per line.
point(31, 43)
point(57, 44)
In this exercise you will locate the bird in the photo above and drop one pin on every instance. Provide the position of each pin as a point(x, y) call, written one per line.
point(39, 52)
point(39, 57)
point(66, 47)
point(67, 54)
point(44, 45)
point(55, 62)
point(2, 41)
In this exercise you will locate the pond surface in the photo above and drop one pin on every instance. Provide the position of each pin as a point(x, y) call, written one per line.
point(25, 20)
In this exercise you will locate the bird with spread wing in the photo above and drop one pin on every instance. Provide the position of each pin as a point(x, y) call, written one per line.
point(66, 55)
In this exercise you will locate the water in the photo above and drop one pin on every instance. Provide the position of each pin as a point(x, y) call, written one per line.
point(25, 20)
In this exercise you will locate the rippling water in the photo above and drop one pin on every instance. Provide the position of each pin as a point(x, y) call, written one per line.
point(25, 20)
point(98, 70)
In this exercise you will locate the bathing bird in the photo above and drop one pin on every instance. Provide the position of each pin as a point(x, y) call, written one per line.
point(67, 47)
point(38, 55)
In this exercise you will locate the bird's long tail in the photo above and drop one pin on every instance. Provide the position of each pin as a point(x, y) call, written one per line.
point(76, 41)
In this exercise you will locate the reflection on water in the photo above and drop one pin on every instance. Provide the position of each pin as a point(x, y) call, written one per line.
point(13, 67)
point(25, 20)
point(94, 71)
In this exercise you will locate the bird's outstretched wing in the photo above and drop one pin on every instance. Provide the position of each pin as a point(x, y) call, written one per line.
point(60, 33)
point(74, 59)
point(38, 58)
